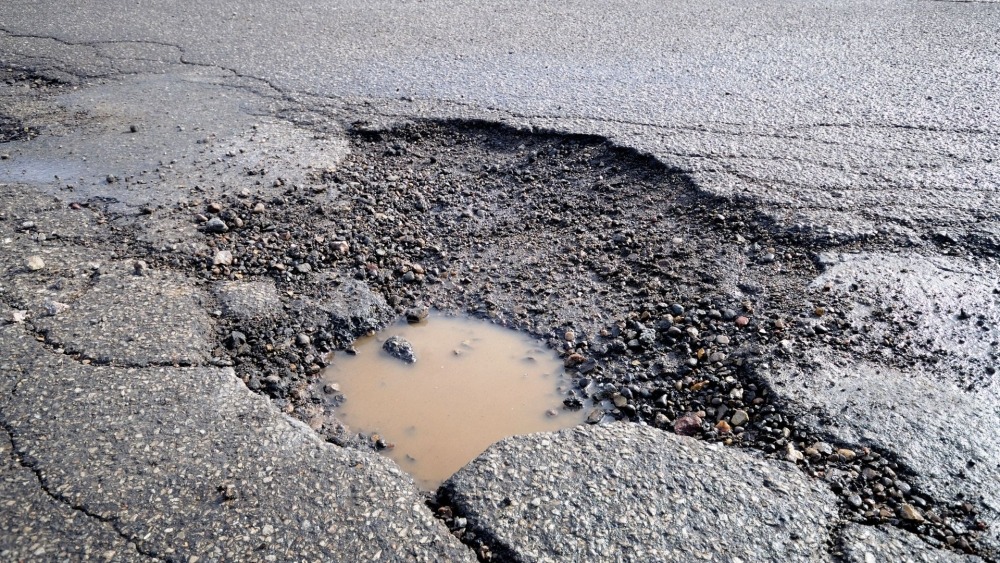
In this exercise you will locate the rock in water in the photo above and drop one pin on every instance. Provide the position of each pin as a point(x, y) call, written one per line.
point(400, 348)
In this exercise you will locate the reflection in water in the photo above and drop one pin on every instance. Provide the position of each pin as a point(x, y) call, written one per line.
point(473, 383)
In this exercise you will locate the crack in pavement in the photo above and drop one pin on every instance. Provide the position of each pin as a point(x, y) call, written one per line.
point(17, 458)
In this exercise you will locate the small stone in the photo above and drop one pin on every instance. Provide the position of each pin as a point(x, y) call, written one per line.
point(723, 427)
point(716, 357)
point(133, 128)
point(677, 309)
point(267, 530)
point(416, 314)
point(331, 388)
point(140, 267)
point(855, 500)
point(53, 308)
point(574, 360)
point(910, 512)
point(34, 263)
point(216, 225)
point(822, 448)
point(223, 258)
point(847, 454)
point(819, 311)
point(18, 317)
point(660, 420)
point(214, 207)
point(779, 324)
point(742, 321)
point(570, 336)
point(595, 416)
point(303, 268)
point(400, 348)
point(687, 425)
point(739, 418)
point(258, 209)
point(303, 339)
point(722, 339)
point(791, 454)
point(619, 401)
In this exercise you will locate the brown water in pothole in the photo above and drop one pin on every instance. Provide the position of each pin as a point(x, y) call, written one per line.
point(473, 383)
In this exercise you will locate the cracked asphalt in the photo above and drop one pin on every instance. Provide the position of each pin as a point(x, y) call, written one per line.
point(859, 138)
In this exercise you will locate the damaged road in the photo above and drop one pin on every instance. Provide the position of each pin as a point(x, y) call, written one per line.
point(784, 334)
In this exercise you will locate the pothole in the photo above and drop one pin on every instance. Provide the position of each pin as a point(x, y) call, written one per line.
point(660, 299)
point(472, 383)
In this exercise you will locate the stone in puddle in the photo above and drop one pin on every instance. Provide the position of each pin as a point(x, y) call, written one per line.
point(400, 348)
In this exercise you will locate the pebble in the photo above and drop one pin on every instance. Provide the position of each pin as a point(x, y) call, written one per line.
point(574, 360)
point(723, 427)
point(722, 339)
point(214, 207)
point(742, 321)
point(400, 348)
point(739, 418)
point(18, 317)
point(216, 225)
point(687, 425)
point(303, 339)
point(793, 455)
point(223, 258)
point(303, 268)
point(34, 263)
point(570, 336)
point(910, 512)
point(258, 209)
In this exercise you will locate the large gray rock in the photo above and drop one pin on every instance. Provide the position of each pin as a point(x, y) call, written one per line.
point(185, 462)
point(629, 492)
point(875, 544)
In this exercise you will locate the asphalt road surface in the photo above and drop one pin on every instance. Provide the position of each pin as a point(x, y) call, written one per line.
point(859, 143)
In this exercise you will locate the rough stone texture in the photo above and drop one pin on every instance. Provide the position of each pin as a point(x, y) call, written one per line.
point(127, 319)
point(246, 301)
point(628, 492)
point(918, 303)
point(186, 462)
point(354, 310)
point(871, 544)
point(35, 527)
point(934, 428)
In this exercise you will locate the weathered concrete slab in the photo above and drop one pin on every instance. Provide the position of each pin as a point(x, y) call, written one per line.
point(35, 527)
point(188, 462)
point(135, 319)
point(942, 311)
point(872, 544)
point(246, 301)
point(628, 492)
point(935, 429)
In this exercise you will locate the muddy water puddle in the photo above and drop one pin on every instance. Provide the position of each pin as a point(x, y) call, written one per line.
point(473, 383)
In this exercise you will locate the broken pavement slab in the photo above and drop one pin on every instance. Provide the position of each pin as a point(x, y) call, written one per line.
point(934, 429)
point(36, 527)
point(188, 461)
point(638, 494)
point(132, 319)
point(872, 544)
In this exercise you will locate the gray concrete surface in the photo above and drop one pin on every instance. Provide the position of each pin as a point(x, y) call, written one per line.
point(639, 494)
point(850, 123)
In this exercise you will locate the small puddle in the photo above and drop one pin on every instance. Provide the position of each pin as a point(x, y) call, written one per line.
point(473, 383)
